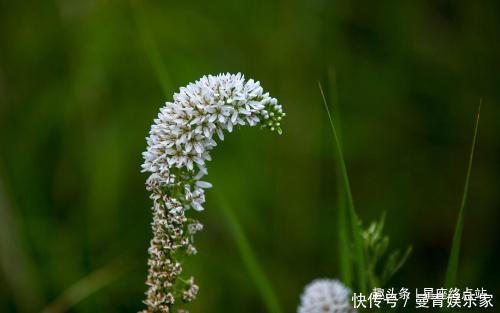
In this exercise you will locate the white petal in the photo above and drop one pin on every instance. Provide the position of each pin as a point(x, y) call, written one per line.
point(212, 118)
point(197, 206)
point(203, 184)
point(198, 147)
point(234, 117)
point(206, 132)
point(220, 133)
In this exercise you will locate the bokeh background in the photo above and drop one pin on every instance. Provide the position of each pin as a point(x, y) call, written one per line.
point(81, 81)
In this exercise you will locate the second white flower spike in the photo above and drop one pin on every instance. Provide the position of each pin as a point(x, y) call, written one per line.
point(325, 296)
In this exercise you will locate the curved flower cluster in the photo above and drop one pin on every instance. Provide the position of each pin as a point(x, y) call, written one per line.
point(179, 144)
point(325, 296)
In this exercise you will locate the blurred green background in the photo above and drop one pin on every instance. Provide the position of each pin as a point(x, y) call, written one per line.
point(81, 81)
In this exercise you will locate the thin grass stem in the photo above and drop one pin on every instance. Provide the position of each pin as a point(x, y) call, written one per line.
point(344, 257)
point(250, 260)
point(451, 271)
point(151, 47)
point(354, 221)
point(89, 285)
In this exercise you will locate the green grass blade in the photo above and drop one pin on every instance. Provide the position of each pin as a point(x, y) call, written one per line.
point(89, 285)
point(451, 271)
point(249, 259)
point(354, 221)
point(343, 236)
point(151, 47)
point(334, 101)
point(17, 268)
point(344, 258)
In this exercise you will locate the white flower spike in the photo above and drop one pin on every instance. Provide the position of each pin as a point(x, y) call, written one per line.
point(179, 144)
point(325, 296)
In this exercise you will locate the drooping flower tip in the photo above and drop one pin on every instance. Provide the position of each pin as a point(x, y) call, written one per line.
point(325, 296)
point(185, 130)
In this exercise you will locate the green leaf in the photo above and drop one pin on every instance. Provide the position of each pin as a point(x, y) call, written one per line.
point(376, 245)
point(451, 271)
point(381, 248)
point(393, 264)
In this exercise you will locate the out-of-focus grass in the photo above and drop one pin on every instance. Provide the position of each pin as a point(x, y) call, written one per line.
point(353, 219)
point(78, 92)
point(249, 259)
point(15, 262)
point(344, 252)
point(150, 46)
point(451, 271)
point(90, 284)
